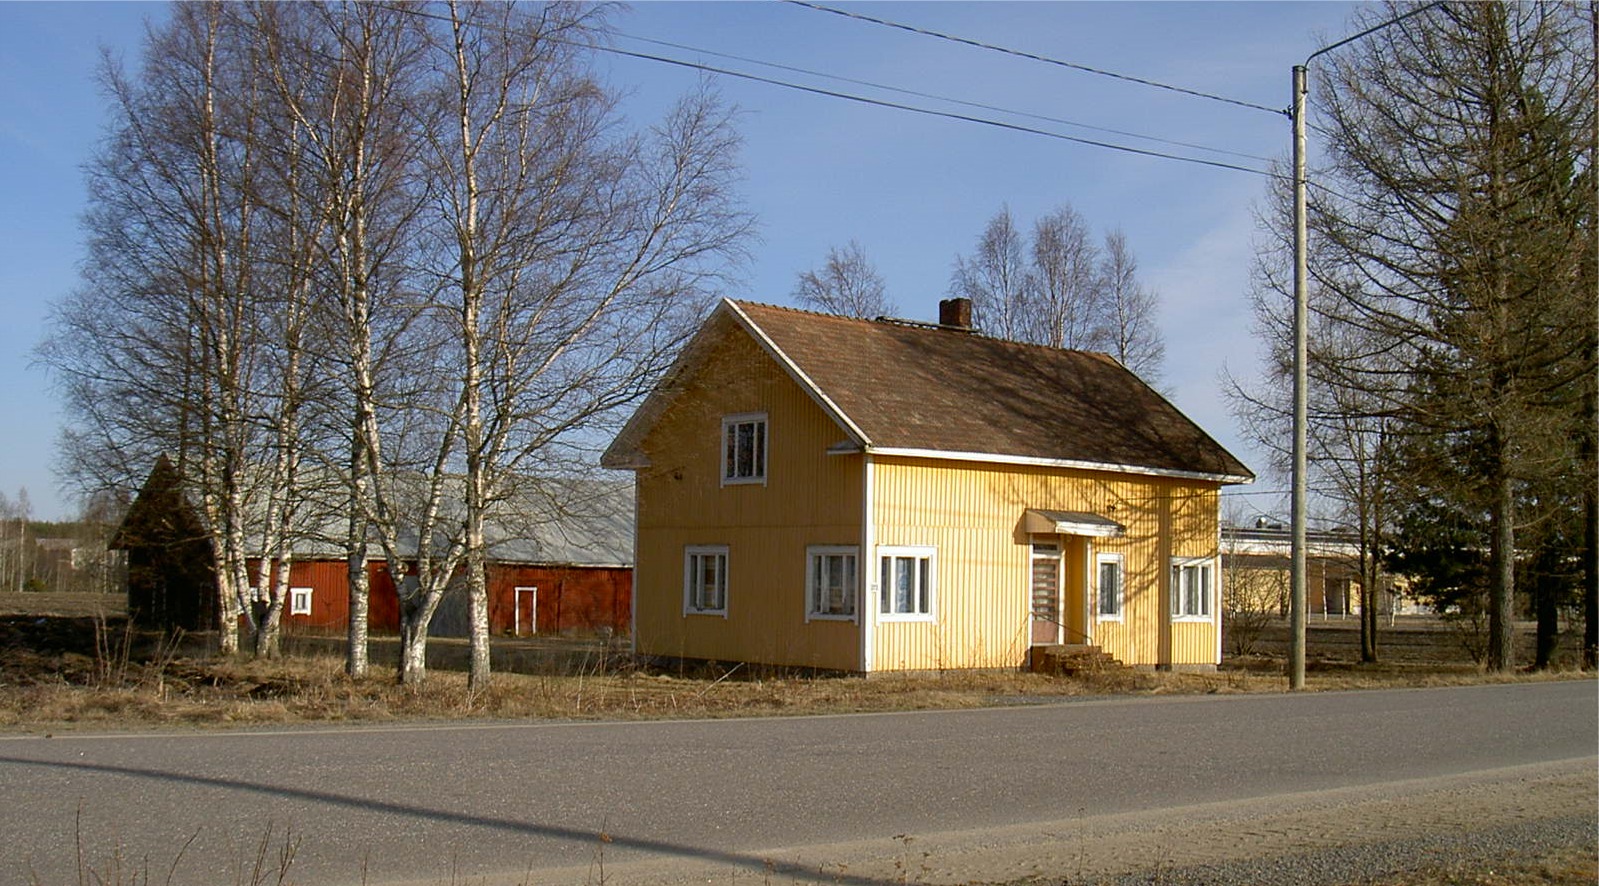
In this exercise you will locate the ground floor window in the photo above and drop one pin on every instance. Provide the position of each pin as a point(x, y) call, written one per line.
point(1109, 572)
point(1191, 587)
point(705, 580)
point(908, 576)
point(299, 601)
point(831, 576)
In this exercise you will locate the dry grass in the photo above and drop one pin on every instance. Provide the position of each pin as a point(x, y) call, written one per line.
point(58, 674)
point(61, 674)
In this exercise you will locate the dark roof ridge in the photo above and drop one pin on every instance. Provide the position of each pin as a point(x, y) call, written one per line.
point(931, 326)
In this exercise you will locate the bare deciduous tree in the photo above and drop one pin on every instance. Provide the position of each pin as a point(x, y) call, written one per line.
point(1058, 289)
point(417, 250)
point(1066, 305)
point(847, 285)
point(1131, 312)
point(996, 279)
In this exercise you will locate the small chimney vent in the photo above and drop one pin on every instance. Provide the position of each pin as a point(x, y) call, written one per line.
point(956, 312)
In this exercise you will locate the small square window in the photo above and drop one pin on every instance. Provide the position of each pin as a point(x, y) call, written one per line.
point(1191, 587)
point(831, 577)
point(744, 448)
point(705, 580)
point(299, 601)
point(907, 578)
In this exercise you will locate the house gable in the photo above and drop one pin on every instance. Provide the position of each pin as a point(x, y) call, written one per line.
point(729, 319)
point(693, 519)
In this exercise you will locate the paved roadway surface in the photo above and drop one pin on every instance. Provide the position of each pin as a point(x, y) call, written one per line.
point(418, 803)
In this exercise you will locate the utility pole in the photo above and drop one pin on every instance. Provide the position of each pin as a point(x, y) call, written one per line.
point(1297, 595)
point(1297, 516)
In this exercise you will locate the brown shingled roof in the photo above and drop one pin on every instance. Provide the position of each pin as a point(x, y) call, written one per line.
point(915, 386)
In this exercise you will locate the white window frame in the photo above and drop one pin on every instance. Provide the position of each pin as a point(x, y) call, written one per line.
point(1180, 610)
point(516, 609)
point(296, 596)
point(1120, 561)
point(728, 455)
point(929, 588)
point(691, 575)
point(815, 556)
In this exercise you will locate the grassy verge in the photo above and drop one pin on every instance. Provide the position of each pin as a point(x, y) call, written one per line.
point(65, 674)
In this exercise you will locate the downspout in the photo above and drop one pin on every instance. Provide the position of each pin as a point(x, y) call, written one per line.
point(632, 591)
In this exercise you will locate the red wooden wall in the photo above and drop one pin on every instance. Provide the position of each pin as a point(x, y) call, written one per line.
point(578, 599)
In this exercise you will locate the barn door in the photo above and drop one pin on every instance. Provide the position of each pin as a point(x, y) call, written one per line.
point(527, 611)
point(1046, 594)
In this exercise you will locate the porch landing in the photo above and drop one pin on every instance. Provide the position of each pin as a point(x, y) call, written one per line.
point(1071, 659)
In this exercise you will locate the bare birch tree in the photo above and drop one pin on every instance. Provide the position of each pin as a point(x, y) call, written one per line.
point(172, 255)
point(1067, 308)
point(996, 279)
point(1130, 309)
point(1057, 288)
point(847, 284)
point(344, 75)
point(419, 250)
point(571, 261)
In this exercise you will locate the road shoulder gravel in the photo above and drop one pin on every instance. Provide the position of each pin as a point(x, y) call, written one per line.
point(1333, 836)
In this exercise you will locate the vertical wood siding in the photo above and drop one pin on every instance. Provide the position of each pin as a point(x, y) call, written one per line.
point(973, 514)
point(330, 597)
point(809, 498)
point(571, 599)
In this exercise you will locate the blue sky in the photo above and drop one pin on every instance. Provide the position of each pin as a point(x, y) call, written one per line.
point(913, 190)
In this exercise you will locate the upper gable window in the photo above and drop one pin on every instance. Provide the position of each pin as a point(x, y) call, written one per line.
point(744, 448)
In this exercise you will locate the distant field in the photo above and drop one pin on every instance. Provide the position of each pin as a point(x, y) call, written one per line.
point(49, 603)
point(1414, 639)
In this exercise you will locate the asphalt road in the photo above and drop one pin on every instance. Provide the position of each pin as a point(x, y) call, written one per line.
point(429, 803)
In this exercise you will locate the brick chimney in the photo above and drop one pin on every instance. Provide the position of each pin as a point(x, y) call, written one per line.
point(955, 312)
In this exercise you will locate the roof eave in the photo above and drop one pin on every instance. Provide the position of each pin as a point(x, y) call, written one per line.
point(799, 375)
point(1073, 464)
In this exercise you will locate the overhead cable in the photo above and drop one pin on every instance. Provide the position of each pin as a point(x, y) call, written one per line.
point(944, 98)
point(874, 102)
point(966, 41)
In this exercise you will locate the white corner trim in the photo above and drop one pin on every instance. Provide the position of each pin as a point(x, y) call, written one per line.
point(867, 605)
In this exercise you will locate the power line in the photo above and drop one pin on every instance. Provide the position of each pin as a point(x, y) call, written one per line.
point(967, 118)
point(966, 41)
point(874, 102)
point(944, 98)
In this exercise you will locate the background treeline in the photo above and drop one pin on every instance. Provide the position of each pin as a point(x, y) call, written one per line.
point(1454, 307)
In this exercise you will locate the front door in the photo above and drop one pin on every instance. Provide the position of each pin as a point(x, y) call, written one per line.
point(1046, 594)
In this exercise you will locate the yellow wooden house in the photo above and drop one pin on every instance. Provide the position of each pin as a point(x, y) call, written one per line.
point(885, 495)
